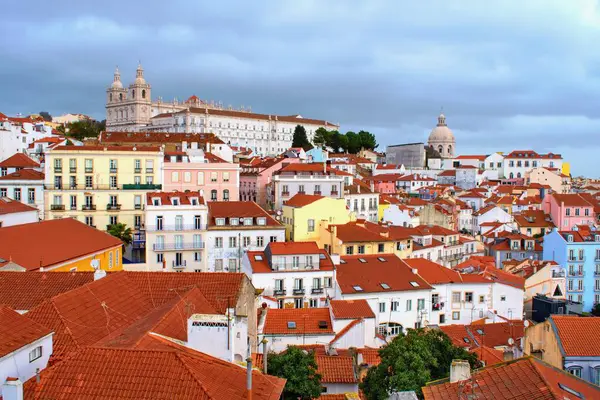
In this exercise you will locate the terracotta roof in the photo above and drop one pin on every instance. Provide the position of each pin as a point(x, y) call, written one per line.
point(436, 274)
point(524, 378)
point(388, 199)
point(378, 273)
point(351, 232)
point(459, 335)
point(301, 200)
point(448, 172)
point(260, 262)
point(370, 356)
point(174, 372)
point(299, 167)
point(472, 157)
point(213, 158)
point(50, 248)
point(19, 160)
point(238, 209)
point(17, 331)
point(185, 198)
point(306, 321)
point(107, 148)
point(351, 309)
point(571, 200)
point(383, 177)
point(435, 230)
point(24, 174)
point(10, 206)
point(533, 218)
point(336, 369)
point(23, 291)
point(497, 334)
point(283, 248)
point(158, 137)
point(484, 210)
point(578, 336)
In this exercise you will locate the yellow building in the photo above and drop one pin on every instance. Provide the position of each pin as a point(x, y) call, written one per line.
point(304, 214)
point(99, 185)
point(362, 237)
point(58, 245)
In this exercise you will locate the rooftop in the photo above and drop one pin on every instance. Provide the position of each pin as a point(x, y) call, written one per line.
point(238, 209)
point(578, 336)
point(158, 137)
point(170, 198)
point(298, 321)
point(301, 200)
point(17, 331)
point(10, 206)
point(19, 160)
point(24, 175)
point(351, 309)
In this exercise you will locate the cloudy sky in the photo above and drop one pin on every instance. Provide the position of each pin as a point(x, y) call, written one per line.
point(508, 74)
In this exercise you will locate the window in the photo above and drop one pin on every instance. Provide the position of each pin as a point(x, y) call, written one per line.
point(503, 298)
point(300, 188)
point(260, 241)
point(35, 354)
point(381, 307)
point(361, 249)
point(226, 195)
point(73, 202)
point(327, 282)
point(137, 165)
point(160, 257)
point(89, 165)
point(298, 303)
point(232, 265)
point(112, 180)
point(232, 242)
point(394, 306)
point(273, 239)
point(313, 303)
point(576, 371)
point(200, 178)
point(380, 247)
point(213, 176)
point(468, 297)
point(218, 242)
point(213, 195)
point(149, 166)
point(2, 192)
point(31, 195)
point(482, 299)
point(110, 260)
point(112, 165)
point(420, 304)
point(311, 225)
point(175, 176)
point(455, 315)
point(349, 250)
point(316, 283)
point(442, 318)
point(246, 240)
point(187, 177)
point(225, 176)
point(408, 305)
point(456, 297)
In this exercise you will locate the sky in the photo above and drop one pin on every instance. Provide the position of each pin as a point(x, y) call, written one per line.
point(508, 74)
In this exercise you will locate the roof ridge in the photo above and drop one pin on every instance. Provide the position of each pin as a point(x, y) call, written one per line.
point(345, 330)
point(179, 356)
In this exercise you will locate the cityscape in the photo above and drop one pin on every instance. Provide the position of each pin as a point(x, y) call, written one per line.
point(182, 248)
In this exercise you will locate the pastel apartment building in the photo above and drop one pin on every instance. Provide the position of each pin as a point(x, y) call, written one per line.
point(175, 231)
point(519, 162)
point(256, 177)
point(13, 212)
point(569, 210)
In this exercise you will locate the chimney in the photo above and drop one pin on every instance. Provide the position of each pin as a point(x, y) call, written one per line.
point(335, 259)
point(265, 352)
point(99, 274)
point(415, 271)
point(460, 370)
point(12, 389)
point(249, 375)
point(372, 186)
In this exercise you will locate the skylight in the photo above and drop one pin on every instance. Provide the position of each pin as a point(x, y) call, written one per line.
point(342, 261)
point(357, 288)
point(479, 331)
point(385, 285)
point(414, 284)
point(291, 325)
point(258, 258)
point(381, 259)
point(321, 256)
point(362, 260)
point(466, 340)
point(569, 390)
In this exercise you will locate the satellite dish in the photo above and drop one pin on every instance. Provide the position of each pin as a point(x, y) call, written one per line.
point(511, 341)
point(526, 323)
point(95, 263)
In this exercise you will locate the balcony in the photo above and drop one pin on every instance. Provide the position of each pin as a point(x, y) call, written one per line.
point(137, 207)
point(180, 265)
point(149, 170)
point(176, 228)
point(317, 290)
point(577, 260)
point(113, 207)
point(279, 292)
point(89, 170)
point(73, 170)
point(596, 273)
point(317, 192)
point(58, 170)
point(179, 246)
point(141, 186)
point(137, 170)
point(57, 207)
point(558, 274)
point(285, 194)
point(88, 207)
point(299, 291)
point(113, 170)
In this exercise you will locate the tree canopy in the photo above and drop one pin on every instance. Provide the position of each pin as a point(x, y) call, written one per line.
point(300, 139)
point(122, 232)
point(411, 360)
point(46, 115)
point(300, 369)
point(350, 142)
point(84, 128)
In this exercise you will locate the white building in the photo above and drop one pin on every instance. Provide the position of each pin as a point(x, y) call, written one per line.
point(16, 134)
point(235, 227)
point(297, 274)
point(519, 162)
point(411, 183)
point(401, 215)
point(13, 212)
point(490, 213)
point(132, 109)
point(175, 231)
point(26, 346)
point(25, 185)
point(494, 166)
point(307, 179)
point(363, 200)
point(442, 245)
point(355, 324)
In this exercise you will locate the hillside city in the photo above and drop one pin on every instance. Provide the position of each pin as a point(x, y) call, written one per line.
point(183, 249)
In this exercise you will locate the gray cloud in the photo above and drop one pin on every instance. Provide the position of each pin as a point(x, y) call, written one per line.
point(509, 74)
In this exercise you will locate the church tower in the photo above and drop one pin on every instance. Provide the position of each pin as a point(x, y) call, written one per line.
point(116, 97)
point(140, 109)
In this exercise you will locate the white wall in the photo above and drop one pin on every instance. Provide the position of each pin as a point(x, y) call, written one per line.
point(16, 364)
point(278, 343)
point(19, 218)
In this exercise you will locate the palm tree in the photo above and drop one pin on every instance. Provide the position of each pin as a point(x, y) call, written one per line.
point(122, 232)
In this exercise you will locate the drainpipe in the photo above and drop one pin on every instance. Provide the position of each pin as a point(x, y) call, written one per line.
point(264, 342)
point(249, 376)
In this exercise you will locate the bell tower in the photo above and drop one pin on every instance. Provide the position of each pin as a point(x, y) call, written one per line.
point(116, 97)
point(140, 109)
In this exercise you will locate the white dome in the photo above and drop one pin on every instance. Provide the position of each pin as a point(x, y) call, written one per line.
point(441, 133)
point(139, 76)
point(117, 80)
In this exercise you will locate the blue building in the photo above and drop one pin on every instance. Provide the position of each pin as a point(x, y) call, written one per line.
point(317, 155)
point(578, 251)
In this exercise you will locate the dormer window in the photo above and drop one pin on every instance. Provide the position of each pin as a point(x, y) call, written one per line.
point(569, 238)
point(194, 201)
point(175, 201)
point(261, 221)
point(234, 221)
point(357, 288)
point(248, 221)
point(156, 201)
point(597, 238)
point(220, 221)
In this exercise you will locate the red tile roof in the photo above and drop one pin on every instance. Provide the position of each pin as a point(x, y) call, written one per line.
point(351, 232)
point(472, 157)
point(533, 218)
point(158, 137)
point(10, 206)
point(107, 148)
point(17, 331)
point(19, 160)
point(23, 291)
point(185, 198)
point(238, 209)
point(351, 309)
point(301, 200)
point(260, 262)
point(370, 356)
point(283, 248)
point(578, 336)
point(448, 172)
point(524, 378)
point(174, 372)
point(50, 248)
point(306, 320)
point(571, 200)
point(436, 274)
point(299, 167)
point(24, 175)
point(336, 369)
point(386, 269)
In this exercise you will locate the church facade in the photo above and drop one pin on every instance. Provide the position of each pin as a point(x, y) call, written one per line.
point(133, 110)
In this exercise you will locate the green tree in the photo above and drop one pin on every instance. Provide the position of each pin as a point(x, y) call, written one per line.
point(300, 139)
point(300, 369)
point(354, 142)
point(46, 115)
point(410, 361)
point(85, 128)
point(322, 137)
point(122, 232)
point(596, 310)
point(367, 140)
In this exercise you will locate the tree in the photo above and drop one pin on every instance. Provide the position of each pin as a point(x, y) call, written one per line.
point(411, 360)
point(596, 310)
point(322, 137)
point(300, 139)
point(122, 232)
point(300, 369)
point(46, 115)
point(84, 128)
point(367, 140)
point(354, 143)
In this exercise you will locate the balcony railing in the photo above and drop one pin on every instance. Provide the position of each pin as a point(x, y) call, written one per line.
point(113, 207)
point(279, 292)
point(179, 246)
point(141, 186)
point(285, 194)
point(57, 170)
point(57, 207)
point(180, 265)
point(73, 170)
point(137, 207)
point(113, 170)
point(149, 170)
point(176, 228)
point(596, 273)
point(577, 259)
point(88, 207)
point(317, 192)
point(558, 274)
point(299, 291)
point(89, 170)
point(137, 170)
point(127, 186)
point(317, 290)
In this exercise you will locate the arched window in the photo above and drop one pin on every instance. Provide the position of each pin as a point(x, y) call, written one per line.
point(121, 113)
point(575, 371)
point(511, 176)
point(133, 93)
point(596, 375)
point(143, 93)
point(213, 195)
point(518, 174)
point(120, 96)
point(226, 195)
point(450, 150)
point(441, 149)
point(110, 97)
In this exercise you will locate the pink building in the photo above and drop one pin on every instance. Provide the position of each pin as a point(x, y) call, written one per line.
point(568, 210)
point(383, 183)
point(216, 178)
point(256, 177)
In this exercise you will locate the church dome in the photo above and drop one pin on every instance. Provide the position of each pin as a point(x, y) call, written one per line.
point(139, 76)
point(441, 133)
point(117, 80)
